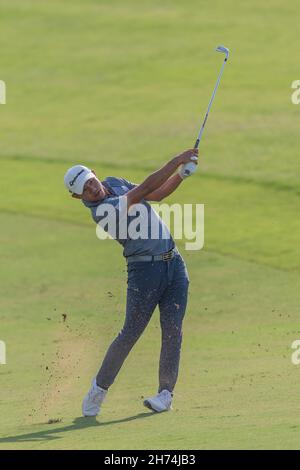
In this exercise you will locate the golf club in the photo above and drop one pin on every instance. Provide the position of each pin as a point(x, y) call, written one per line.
point(190, 166)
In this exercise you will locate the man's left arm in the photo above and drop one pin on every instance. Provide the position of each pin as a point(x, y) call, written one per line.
point(166, 189)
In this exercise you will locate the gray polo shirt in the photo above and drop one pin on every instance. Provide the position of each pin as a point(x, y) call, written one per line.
point(163, 241)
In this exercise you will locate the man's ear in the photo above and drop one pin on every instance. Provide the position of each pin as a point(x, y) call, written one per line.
point(76, 196)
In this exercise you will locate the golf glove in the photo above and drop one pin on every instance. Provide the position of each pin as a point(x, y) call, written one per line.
point(188, 169)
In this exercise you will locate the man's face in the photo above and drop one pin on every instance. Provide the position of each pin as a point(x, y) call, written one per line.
point(93, 190)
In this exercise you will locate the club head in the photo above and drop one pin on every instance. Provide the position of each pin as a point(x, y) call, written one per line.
point(223, 49)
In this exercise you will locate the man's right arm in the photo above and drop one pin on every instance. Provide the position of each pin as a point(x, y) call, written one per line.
point(159, 177)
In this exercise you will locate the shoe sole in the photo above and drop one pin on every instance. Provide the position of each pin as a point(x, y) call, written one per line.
point(148, 405)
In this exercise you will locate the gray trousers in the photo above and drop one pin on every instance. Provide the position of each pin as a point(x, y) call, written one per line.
point(162, 283)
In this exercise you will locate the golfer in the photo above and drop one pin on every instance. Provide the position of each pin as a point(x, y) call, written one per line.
point(157, 274)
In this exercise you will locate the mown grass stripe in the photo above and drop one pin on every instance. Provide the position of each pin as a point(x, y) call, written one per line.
point(268, 185)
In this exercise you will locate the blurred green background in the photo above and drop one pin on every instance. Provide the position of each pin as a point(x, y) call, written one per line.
point(123, 86)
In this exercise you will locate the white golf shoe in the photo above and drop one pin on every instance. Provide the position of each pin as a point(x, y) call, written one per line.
point(92, 401)
point(160, 402)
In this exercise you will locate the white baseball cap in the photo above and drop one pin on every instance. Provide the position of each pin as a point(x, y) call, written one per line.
point(76, 177)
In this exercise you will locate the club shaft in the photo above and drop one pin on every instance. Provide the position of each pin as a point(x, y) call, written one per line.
point(197, 143)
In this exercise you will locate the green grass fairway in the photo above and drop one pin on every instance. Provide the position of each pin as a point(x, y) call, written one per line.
point(122, 86)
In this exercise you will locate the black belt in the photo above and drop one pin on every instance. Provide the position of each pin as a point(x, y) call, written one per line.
point(163, 257)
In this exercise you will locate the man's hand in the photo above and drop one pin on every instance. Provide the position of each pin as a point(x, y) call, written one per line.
point(190, 155)
point(189, 161)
